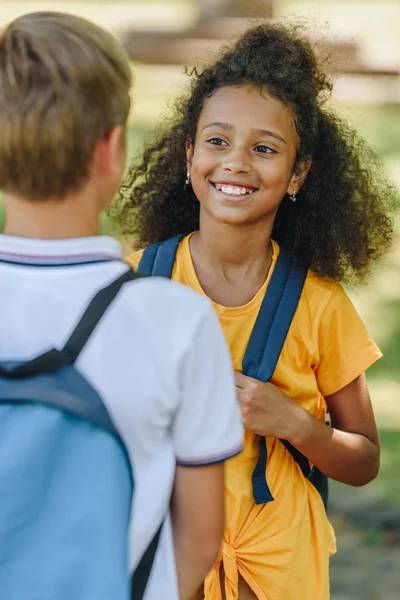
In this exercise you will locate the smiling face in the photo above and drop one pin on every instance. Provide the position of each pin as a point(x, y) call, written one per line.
point(243, 160)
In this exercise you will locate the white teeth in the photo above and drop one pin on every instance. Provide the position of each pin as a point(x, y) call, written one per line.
point(232, 190)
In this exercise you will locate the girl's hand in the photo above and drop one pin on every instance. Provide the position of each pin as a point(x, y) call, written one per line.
point(348, 451)
point(266, 410)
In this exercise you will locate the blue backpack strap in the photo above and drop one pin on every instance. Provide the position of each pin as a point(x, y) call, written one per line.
point(158, 259)
point(143, 570)
point(266, 342)
point(65, 389)
point(274, 318)
point(314, 475)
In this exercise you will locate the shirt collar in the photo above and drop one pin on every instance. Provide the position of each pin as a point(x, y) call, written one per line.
point(73, 251)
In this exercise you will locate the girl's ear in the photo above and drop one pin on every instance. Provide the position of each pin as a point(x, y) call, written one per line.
point(189, 154)
point(299, 175)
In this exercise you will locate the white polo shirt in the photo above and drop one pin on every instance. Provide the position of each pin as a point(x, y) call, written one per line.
point(157, 358)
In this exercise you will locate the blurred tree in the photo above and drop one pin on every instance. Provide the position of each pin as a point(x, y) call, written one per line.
point(2, 215)
point(211, 9)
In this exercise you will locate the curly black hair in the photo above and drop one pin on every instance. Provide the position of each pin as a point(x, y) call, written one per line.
point(341, 223)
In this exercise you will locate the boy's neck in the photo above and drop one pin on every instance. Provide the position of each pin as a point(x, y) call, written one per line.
point(72, 217)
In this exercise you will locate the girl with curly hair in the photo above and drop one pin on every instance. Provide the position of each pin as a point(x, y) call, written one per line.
point(270, 169)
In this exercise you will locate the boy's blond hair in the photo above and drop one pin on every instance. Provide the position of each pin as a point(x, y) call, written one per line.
point(64, 84)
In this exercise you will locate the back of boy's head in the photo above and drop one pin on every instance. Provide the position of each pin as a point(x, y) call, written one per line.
point(64, 84)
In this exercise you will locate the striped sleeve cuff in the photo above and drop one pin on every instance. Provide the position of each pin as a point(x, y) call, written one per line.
point(213, 459)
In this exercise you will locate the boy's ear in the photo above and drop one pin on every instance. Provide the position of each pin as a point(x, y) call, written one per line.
point(110, 152)
point(299, 175)
point(189, 154)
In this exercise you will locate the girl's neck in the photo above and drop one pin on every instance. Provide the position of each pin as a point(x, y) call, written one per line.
point(231, 262)
point(225, 246)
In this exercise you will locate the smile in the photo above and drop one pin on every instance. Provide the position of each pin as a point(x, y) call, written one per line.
point(230, 189)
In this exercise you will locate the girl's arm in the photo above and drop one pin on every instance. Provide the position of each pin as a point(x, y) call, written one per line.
point(348, 451)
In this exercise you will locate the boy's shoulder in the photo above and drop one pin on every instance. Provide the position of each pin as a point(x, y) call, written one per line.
point(167, 293)
point(171, 291)
point(167, 304)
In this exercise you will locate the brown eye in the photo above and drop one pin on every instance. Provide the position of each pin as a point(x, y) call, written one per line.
point(264, 149)
point(215, 141)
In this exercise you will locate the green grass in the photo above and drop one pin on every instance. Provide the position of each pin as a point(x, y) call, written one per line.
point(389, 342)
point(380, 126)
point(2, 215)
point(387, 483)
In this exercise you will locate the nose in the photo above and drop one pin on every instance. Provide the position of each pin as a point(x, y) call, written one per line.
point(236, 161)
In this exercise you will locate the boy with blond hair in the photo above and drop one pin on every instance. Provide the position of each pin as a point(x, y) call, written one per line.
point(113, 415)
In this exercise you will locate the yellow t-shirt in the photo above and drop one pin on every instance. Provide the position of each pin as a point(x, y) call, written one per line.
point(282, 548)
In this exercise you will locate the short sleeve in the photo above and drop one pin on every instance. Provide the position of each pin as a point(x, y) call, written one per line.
point(345, 347)
point(208, 426)
point(133, 260)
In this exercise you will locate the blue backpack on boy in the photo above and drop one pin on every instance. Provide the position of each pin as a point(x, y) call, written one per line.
point(65, 480)
point(265, 345)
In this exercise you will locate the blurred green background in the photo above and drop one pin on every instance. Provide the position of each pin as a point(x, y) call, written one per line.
point(367, 520)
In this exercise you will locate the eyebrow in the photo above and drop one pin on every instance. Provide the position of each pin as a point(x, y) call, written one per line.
point(230, 127)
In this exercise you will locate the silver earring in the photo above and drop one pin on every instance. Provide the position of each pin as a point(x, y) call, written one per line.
point(188, 178)
point(293, 196)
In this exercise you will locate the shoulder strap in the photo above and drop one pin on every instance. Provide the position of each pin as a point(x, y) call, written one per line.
point(274, 318)
point(158, 259)
point(143, 570)
point(93, 314)
point(266, 342)
point(314, 475)
point(55, 359)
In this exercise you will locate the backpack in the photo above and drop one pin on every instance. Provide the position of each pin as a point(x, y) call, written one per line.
point(265, 344)
point(65, 480)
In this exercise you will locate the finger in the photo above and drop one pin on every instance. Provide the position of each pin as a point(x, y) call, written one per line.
point(244, 404)
point(246, 382)
point(241, 380)
point(244, 392)
point(244, 399)
point(240, 394)
point(244, 410)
